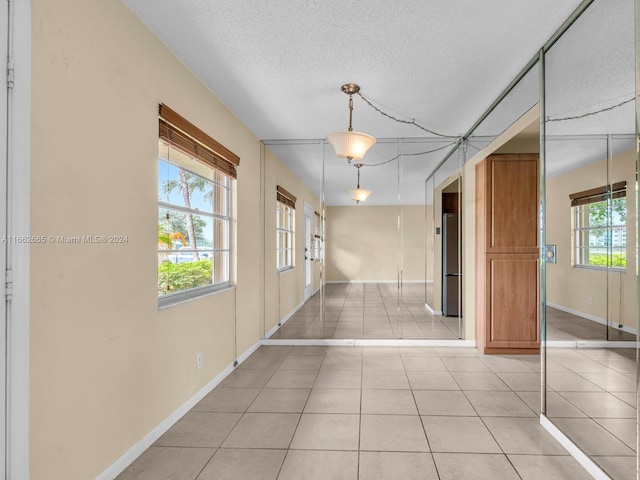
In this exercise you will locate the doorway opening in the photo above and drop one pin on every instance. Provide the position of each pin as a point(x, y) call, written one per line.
point(451, 251)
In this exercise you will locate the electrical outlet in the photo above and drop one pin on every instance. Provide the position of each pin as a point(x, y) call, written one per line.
point(289, 299)
point(590, 300)
point(198, 361)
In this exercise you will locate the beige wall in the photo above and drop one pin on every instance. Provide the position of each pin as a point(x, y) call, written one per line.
point(469, 250)
point(362, 243)
point(571, 287)
point(106, 365)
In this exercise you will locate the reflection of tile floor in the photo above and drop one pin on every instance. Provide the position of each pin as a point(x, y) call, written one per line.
point(366, 413)
point(372, 311)
point(369, 311)
point(566, 326)
point(592, 399)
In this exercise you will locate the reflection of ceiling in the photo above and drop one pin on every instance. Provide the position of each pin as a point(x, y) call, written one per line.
point(565, 153)
point(442, 63)
point(592, 68)
point(382, 172)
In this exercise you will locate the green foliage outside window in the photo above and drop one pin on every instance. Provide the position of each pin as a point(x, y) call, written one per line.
point(618, 260)
point(600, 234)
point(181, 276)
point(193, 226)
point(600, 216)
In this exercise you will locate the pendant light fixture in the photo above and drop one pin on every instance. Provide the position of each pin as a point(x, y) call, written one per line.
point(350, 145)
point(358, 194)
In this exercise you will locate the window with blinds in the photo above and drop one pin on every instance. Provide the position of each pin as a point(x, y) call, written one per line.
point(285, 229)
point(195, 180)
point(599, 227)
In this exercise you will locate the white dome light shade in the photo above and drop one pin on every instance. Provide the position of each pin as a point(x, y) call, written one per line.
point(359, 194)
point(352, 145)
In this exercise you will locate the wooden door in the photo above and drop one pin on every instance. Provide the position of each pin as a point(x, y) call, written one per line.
point(507, 268)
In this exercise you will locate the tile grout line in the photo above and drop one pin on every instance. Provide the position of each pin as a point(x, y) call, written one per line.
point(485, 425)
point(300, 417)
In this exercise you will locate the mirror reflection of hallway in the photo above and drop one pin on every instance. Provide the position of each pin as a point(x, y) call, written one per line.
point(368, 311)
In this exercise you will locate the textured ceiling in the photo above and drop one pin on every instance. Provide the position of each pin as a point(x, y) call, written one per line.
point(278, 65)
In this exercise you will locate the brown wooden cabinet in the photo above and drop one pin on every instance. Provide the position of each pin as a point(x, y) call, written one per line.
point(507, 307)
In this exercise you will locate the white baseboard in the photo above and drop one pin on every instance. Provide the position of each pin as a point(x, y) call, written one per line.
point(289, 315)
point(312, 342)
point(149, 439)
point(593, 318)
point(272, 331)
point(589, 344)
point(312, 294)
point(559, 344)
point(582, 458)
point(359, 342)
point(431, 310)
point(246, 354)
point(117, 467)
point(350, 282)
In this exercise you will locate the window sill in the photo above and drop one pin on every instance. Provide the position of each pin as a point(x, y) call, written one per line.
point(178, 298)
point(284, 270)
point(601, 269)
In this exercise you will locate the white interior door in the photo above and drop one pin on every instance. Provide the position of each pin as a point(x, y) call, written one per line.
point(308, 253)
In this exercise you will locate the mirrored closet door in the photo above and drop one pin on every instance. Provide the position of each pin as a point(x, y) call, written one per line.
point(590, 289)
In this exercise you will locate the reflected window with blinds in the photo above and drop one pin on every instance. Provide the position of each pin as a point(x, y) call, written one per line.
point(599, 227)
point(195, 181)
point(285, 229)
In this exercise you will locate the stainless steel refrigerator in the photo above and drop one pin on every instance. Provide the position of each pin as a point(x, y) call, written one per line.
point(451, 266)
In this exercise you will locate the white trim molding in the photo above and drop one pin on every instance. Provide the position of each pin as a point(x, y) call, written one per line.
point(590, 344)
point(19, 220)
point(600, 320)
point(582, 458)
point(149, 439)
point(351, 282)
point(362, 342)
point(289, 315)
point(431, 310)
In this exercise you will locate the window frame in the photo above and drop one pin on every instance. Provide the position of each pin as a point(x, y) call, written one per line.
point(580, 204)
point(289, 233)
point(317, 238)
point(200, 151)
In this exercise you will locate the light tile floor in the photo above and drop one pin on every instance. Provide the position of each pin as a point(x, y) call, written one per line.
point(365, 413)
point(369, 311)
point(592, 399)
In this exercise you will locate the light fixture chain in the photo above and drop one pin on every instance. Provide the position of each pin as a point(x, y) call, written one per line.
point(409, 155)
point(406, 122)
point(350, 112)
point(588, 114)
